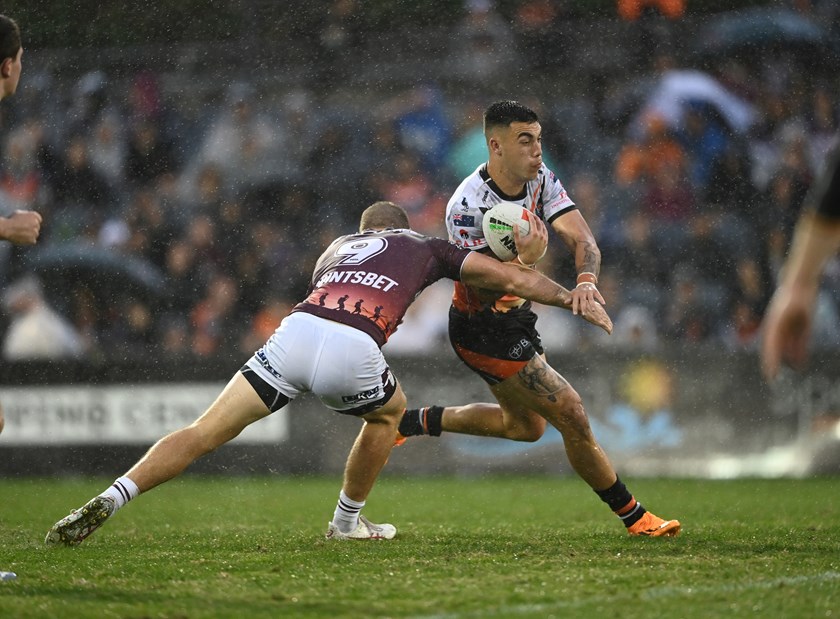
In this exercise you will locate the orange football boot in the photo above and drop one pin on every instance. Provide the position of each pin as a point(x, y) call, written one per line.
point(653, 526)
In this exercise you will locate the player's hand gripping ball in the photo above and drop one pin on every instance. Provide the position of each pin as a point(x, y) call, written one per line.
point(498, 224)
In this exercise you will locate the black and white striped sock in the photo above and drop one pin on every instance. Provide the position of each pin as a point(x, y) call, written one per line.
point(346, 516)
point(122, 491)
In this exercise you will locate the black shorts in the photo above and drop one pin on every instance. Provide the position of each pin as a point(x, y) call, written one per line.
point(495, 345)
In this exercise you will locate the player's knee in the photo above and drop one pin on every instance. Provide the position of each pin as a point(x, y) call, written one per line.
point(571, 413)
point(527, 433)
point(204, 438)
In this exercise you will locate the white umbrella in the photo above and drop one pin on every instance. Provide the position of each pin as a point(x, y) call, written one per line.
point(678, 88)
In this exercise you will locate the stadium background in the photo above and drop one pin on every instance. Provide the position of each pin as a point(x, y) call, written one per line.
point(192, 160)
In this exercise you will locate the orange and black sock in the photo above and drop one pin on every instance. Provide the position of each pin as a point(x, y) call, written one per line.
point(622, 503)
point(419, 421)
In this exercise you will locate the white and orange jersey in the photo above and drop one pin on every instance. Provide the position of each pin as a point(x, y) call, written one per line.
point(544, 196)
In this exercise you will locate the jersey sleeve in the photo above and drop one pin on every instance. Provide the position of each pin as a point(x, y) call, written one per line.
point(554, 197)
point(463, 223)
point(450, 258)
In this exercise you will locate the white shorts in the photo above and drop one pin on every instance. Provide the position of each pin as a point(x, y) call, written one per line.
point(340, 364)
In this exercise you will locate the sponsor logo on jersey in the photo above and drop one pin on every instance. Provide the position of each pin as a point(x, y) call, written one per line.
point(463, 220)
point(365, 278)
point(517, 350)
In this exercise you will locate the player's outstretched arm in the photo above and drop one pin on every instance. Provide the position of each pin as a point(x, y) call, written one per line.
point(485, 272)
point(21, 227)
point(787, 322)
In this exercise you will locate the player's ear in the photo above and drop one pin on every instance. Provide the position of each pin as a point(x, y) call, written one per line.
point(494, 145)
point(6, 67)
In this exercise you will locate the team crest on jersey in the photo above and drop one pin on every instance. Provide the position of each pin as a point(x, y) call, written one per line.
point(464, 205)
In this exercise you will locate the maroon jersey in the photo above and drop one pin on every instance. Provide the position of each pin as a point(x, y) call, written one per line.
point(368, 280)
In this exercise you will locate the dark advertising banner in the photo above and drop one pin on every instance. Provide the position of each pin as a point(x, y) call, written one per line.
point(697, 413)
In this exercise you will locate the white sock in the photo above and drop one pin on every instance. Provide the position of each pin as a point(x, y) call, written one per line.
point(346, 516)
point(121, 491)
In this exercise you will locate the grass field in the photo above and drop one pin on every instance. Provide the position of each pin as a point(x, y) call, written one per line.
point(490, 547)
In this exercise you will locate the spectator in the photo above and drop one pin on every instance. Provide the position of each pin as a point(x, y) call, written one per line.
point(149, 155)
point(243, 141)
point(733, 198)
point(107, 150)
point(535, 23)
point(635, 326)
point(21, 182)
point(687, 318)
point(703, 134)
point(244, 209)
point(422, 124)
point(646, 159)
point(214, 318)
point(414, 190)
point(483, 45)
point(339, 36)
point(83, 196)
point(183, 278)
point(641, 269)
point(132, 333)
point(632, 10)
point(37, 331)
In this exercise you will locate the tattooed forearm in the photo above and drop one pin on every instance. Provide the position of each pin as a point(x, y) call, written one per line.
point(540, 378)
point(588, 258)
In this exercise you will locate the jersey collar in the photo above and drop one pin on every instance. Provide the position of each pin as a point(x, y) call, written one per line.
point(485, 176)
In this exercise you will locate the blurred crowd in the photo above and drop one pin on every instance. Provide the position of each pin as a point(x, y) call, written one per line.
point(183, 224)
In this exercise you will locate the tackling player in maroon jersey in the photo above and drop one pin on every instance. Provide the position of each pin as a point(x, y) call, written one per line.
point(328, 349)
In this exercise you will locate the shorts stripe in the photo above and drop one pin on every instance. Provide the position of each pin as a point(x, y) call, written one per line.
point(271, 396)
point(491, 369)
point(389, 388)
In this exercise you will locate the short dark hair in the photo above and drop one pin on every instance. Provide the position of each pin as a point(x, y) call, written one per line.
point(9, 38)
point(383, 214)
point(503, 113)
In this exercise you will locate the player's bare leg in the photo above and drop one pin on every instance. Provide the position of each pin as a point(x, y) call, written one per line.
point(368, 455)
point(539, 388)
point(235, 408)
point(538, 394)
point(516, 423)
point(372, 447)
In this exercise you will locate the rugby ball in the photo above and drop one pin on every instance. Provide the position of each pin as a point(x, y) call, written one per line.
point(498, 224)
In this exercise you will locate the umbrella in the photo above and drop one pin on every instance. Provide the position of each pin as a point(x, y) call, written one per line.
point(678, 89)
point(760, 28)
point(105, 270)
